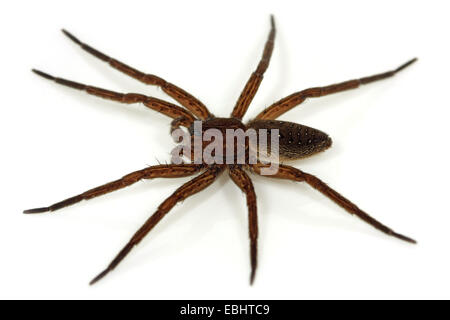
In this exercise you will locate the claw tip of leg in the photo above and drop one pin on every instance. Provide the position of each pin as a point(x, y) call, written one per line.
point(407, 64)
point(98, 277)
point(71, 36)
point(252, 278)
point(93, 281)
point(405, 238)
point(36, 210)
point(272, 20)
point(412, 61)
point(43, 74)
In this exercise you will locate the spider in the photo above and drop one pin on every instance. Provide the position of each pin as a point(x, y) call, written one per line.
point(295, 141)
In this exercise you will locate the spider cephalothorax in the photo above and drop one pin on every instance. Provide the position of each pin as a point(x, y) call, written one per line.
point(295, 141)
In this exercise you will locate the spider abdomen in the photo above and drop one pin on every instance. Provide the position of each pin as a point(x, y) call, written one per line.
point(295, 140)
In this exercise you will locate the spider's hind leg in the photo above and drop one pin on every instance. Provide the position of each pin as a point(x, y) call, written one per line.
point(294, 174)
point(186, 190)
point(243, 181)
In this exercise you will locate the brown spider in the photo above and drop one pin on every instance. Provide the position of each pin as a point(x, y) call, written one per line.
point(295, 141)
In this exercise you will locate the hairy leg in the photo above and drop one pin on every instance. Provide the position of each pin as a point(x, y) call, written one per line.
point(294, 174)
point(243, 181)
point(184, 98)
point(160, 171)
point(286, 104)
point(255, 80)
point(164, 107)
point(186, 190)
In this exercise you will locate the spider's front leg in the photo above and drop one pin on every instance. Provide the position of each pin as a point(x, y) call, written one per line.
point(294, 174)
point(184, 98)
point(160, 171)
point(169, 109)
point(252, 85)
point(289, 102)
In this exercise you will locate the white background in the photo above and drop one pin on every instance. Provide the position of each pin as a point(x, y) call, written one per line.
point(389, 154)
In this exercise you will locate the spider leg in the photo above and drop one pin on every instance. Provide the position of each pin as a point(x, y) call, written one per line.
point(186, 190)
point(176, 123)
point(294, 174)
point(160, 171)
point(255, 80)
point(184, 98)
point(243, 181)
point(287, 103)
point(171, 110)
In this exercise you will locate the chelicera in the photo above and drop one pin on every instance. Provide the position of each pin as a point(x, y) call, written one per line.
point(295, 141)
